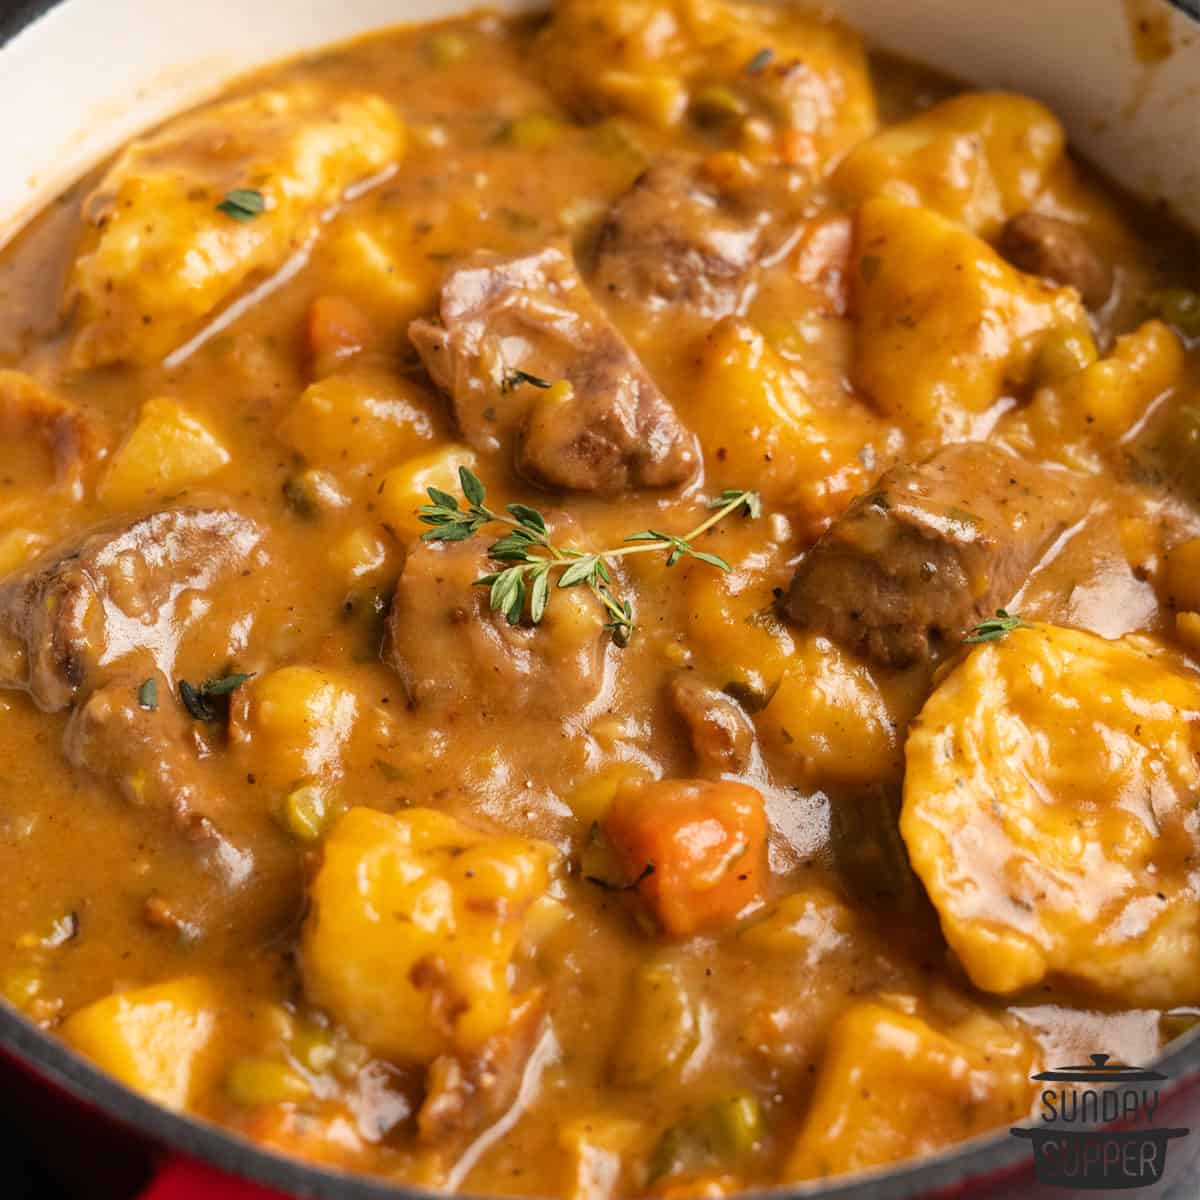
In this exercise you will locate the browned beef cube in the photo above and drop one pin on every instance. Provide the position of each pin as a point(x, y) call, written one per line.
point(930, 551)
point(1058, 251)
point(510, 328)
point(115, 592)
point(721, 733)
point(680, 237)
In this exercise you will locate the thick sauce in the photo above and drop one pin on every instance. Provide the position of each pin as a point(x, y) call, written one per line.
point(801, 863)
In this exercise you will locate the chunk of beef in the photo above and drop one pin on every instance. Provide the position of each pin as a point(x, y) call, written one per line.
point(1058, 251)
point(72, 440)
point(465, 1093)
point(116, 592)
point(681, 236)
point(505, 322)
point(721, 733)
point(930, 552)
point(155, 758)
point(453, 653)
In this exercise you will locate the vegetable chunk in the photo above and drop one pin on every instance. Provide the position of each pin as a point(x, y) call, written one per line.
point(359, 418)
point(705, 842)
point(157, 1039)
point(1080, 418)
point(781, 85)
point(892, 1086)
point(188, 215)
point(293, 725)
point(978, 159)
point(414, 923)
point(828, 719)
point(1050, 808)
point(755, 421)
point(167, 450)
point(947, 327)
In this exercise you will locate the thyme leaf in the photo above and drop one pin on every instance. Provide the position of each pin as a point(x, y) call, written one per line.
point(243, 204)
point(514, 377)
point(994, 628)
point(205, 702)
point(529, 557)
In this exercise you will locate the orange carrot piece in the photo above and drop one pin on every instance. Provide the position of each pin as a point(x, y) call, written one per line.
point(695, 850)
point(337, 330)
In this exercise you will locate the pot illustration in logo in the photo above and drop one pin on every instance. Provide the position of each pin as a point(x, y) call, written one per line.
point(1077, 1145)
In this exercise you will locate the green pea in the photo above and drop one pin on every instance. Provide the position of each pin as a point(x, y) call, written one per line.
point(313, 1047)
point(737, 1123)
point(1179, 307)
point(717, 105)
point(1064, 353)
point(306, 812)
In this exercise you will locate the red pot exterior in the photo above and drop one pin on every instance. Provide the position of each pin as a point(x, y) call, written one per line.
point(186, 1179)
point(111, 1161)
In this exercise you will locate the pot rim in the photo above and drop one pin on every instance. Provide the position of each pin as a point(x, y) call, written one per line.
point(994, 1154)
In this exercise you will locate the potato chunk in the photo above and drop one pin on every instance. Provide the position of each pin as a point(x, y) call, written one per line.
point(947, 327)
point(414, 923)
point(295, 724)
point(159, 255)
point(829, 719)
point(806, 103)
point(978, 159)
point(405, 488)
point(157, 1039)
point(755, 422)
point(1050, 808)
point(892, 1087)
point(359, 418)
point(735, 630)
point(169, 449)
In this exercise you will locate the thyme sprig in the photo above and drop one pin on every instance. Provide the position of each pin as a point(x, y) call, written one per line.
point(525, 585)
point(994, 628)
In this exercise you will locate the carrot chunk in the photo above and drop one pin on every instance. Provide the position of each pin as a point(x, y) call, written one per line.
point(696, 851)
point(337, 330)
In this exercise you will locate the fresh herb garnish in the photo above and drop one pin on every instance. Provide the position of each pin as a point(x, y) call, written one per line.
point(243, 204)
point(761, 61)
point(225, 684)
point(609, 886)
point(194, 701)
point(514, 377)
point(994, 628)
point(199, 701)
point(536, 558)
point(148, 695)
